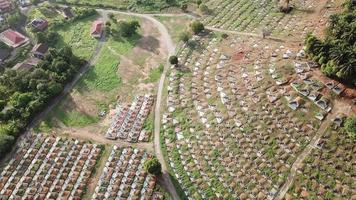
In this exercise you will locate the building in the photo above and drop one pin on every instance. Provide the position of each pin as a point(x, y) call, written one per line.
point(5, 6)
point(13, 38)
point(39, 24)
point(97, 29)
point(27, 64)
point(39, 51)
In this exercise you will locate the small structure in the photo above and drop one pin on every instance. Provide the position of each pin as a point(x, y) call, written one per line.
point(320, 116)
point(323, 103)
point(338, 120)
point(27, 64)
point(338, 89)
point(67, 13)
point(5, 6)
point(39, 24)
point(13, 38)
point(294, 104)
point(39, 51)
point(97, 29)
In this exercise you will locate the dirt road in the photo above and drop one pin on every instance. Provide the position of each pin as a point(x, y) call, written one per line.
point(169, 48)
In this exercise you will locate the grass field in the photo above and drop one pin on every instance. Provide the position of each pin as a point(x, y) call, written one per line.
point(148, 6)
point(175, 25)
point(77, 35)
point(45, 11)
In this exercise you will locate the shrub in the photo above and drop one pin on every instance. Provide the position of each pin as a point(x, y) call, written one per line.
point(350, 126)
point(173, 60)
point(153, 166)
point(184, 36)
point(197, 27)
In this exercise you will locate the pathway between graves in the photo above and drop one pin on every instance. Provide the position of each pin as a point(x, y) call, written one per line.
point(313, 143)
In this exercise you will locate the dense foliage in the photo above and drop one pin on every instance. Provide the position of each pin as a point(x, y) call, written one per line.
point(337, 52)
point(197, 27)
point(153, 166)
point(128, 29)
point(24, 93)
point(350, 126)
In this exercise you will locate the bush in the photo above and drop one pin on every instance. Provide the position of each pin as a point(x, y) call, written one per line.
point(173, 60)
point(350, 126)
point(6, 142)
point(185, 36)
point(153, 166)
point(128, 29)
point(204, 9)
point(197, 27)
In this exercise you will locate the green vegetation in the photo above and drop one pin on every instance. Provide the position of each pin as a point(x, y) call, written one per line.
point(72, 118)
point(155, 74)
point(133, 5)
point(103, 76)
point(77, 35)
point(24, 94)
point(173, 60)
point(336, 53)
point(153, 166)
point(197, 27)
point(6, 141)
point(128, 28)
point(350, 126)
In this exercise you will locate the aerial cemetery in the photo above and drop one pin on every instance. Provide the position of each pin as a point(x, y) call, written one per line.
point(184, 99)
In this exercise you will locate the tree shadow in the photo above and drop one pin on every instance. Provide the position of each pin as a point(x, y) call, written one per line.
point(148, 43)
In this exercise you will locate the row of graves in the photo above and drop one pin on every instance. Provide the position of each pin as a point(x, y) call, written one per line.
point(48, 168)
point(255, 16)
point(329, 171)
point(128, 122)
point(301, 88)
point(123, 176)
point(224, 134)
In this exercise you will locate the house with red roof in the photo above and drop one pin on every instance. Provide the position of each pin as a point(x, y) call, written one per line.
point(97, 28)
point(5, 6)
point(13, 38)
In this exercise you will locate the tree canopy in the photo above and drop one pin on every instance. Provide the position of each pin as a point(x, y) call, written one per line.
point(24, 93)
point(337, 52)
point(350, 126)
point(197, 27)
point(153, 166)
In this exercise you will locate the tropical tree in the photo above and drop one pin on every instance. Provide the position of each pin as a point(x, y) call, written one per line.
point(153, 166)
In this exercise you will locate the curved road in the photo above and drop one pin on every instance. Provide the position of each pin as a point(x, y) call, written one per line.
point(167, 41)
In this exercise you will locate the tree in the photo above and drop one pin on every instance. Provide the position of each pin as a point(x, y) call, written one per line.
point(350, 126)
point(153, 166)
point(128, 29)
point(197, 27)
point(204, 9)
point(173, 60)
point(185, 36)
point(6, 142)
point(199, 2)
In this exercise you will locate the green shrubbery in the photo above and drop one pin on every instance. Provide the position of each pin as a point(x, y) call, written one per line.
point(336, 53)
point(24, 93)
point(153, 166)
point(350, 126)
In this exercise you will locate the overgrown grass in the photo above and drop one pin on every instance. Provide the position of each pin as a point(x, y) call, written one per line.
point(75, 118)
point(77, 35)
point(103, 76)
point(155, 74)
